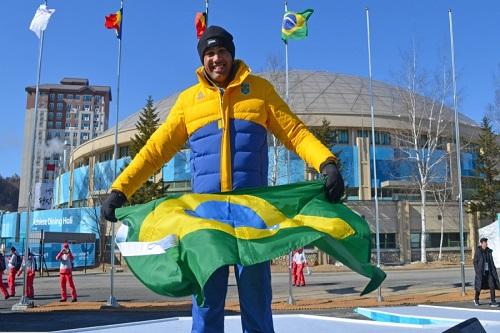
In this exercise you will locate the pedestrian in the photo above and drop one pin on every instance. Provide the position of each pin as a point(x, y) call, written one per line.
point(3, 289)
point(225, 118)
point(14, 266)
point(486, 272)
point(30, 267)
point(294, 268)
point(66, 272)
point(300, 260)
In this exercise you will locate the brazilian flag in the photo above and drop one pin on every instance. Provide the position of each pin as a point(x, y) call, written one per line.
point(174, 244)
point(295, 25)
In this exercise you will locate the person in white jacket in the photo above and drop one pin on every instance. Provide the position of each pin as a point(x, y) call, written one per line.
point(30, 267)
point(300, 261)
point(66, 272)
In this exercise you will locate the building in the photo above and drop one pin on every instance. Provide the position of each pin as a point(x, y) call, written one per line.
point(69, 114)
point(344, 101)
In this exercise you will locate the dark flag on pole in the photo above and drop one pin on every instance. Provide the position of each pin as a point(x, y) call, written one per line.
point(200, 23)
point(114, 21)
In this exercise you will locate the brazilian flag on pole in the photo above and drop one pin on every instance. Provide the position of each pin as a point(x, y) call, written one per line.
point(295, 25)
point(174, 244)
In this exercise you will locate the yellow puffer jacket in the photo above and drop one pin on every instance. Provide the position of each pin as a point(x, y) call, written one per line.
point(227, 133)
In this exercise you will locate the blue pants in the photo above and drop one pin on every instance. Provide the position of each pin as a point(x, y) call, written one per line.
point(254, 289)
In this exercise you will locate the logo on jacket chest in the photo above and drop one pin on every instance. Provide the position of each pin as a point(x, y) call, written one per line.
point(245, 88)
point(200, 96)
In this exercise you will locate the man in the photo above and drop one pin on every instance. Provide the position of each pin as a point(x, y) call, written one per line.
point(2, 268)
point(30, 267)
point(66, 272)
point(14, 265)
point(225, 117)
point(486, 272)
point(300, 260)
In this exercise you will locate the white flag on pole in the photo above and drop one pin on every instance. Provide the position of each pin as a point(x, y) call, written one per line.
point(41, 19)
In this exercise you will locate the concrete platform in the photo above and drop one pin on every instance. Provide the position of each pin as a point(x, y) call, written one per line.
point(282, 323)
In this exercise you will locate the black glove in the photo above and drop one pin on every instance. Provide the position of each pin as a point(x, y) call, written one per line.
point(334, 186)
point(115, 199)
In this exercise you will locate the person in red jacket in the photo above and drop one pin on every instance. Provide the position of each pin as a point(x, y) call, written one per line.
point(3, 289)
point(300, 260)
point(294, 268)
point(66, 272)
point(30, 267)
point(14, 264)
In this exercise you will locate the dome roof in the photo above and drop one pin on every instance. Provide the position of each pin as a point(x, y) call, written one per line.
point(342, 99)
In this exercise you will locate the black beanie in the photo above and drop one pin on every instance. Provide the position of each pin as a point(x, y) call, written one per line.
point(215, 36)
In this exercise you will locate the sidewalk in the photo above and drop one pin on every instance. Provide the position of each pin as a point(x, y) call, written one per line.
point(302, 304)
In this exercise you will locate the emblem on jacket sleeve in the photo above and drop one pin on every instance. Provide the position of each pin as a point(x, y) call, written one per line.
point(245, 88)
point(200, 96)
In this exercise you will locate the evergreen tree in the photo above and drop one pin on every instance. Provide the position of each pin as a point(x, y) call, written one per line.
point(485, 197)
point(146, 125)
point(327, 135)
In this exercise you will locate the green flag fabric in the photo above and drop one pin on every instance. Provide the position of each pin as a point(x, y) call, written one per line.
point(294, 25)
point(174, 244)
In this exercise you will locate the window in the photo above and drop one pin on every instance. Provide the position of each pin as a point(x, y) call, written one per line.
point(50, 116)
point(49, 136)
point(123, 151)
point(68, 124)
point(97, 98)
point(50, 124)
point(387, 241)
point(77, 96)
point(66, 134)
point(68, 107)
point(59, 106)
point(96, 109)
point(60, 96)
point(69, 96)
point(450, 239)
point(87, 107)
point(52, 96)
point(341, 136)
point(87, 98)
point(58, 124)
point(85, 117)
point(381, 138)
point(51, 106)
point(59, 115)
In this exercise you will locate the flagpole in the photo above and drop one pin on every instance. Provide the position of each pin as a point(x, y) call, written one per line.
point(459, 164)
point(206, 13)
point(24, 302)
point(112, 302)
point(291, 300)
point(375, 180)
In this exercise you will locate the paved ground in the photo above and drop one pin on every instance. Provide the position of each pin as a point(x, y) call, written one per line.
point(328, 293)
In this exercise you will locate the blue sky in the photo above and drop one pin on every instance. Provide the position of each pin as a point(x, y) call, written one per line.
point(159, 47)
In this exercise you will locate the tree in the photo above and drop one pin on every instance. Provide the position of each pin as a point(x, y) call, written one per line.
point(442, 192)
point(428, 122)
point(327, 135)
point(485, 198)
point(147, 124)
point(275, 74)
point(9, 193)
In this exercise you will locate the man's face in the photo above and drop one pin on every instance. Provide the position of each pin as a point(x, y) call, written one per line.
point(484, 245)
point(218, 63)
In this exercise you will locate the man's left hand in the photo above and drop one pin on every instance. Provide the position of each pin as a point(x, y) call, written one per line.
point(334, 186)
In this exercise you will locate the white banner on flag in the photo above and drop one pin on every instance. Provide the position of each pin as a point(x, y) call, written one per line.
point(41, 19)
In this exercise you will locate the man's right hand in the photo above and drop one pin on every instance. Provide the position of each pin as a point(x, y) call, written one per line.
point(115, 199)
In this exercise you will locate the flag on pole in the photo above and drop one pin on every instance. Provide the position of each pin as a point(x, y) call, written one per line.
point(200, 23)
point(295, 25)
point(114, 21)
point(174, 244)
point(41, 19)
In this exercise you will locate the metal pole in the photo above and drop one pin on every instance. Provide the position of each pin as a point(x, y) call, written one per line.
point(375, 180)
point(459, 164)
point(291, 300)
point(112, 300)
point(206, 13)
point(24, 302)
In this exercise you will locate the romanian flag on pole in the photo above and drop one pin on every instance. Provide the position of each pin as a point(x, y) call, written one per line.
point(174, 244)
point(295, 25)
point(114, 21)
point(200, 24)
